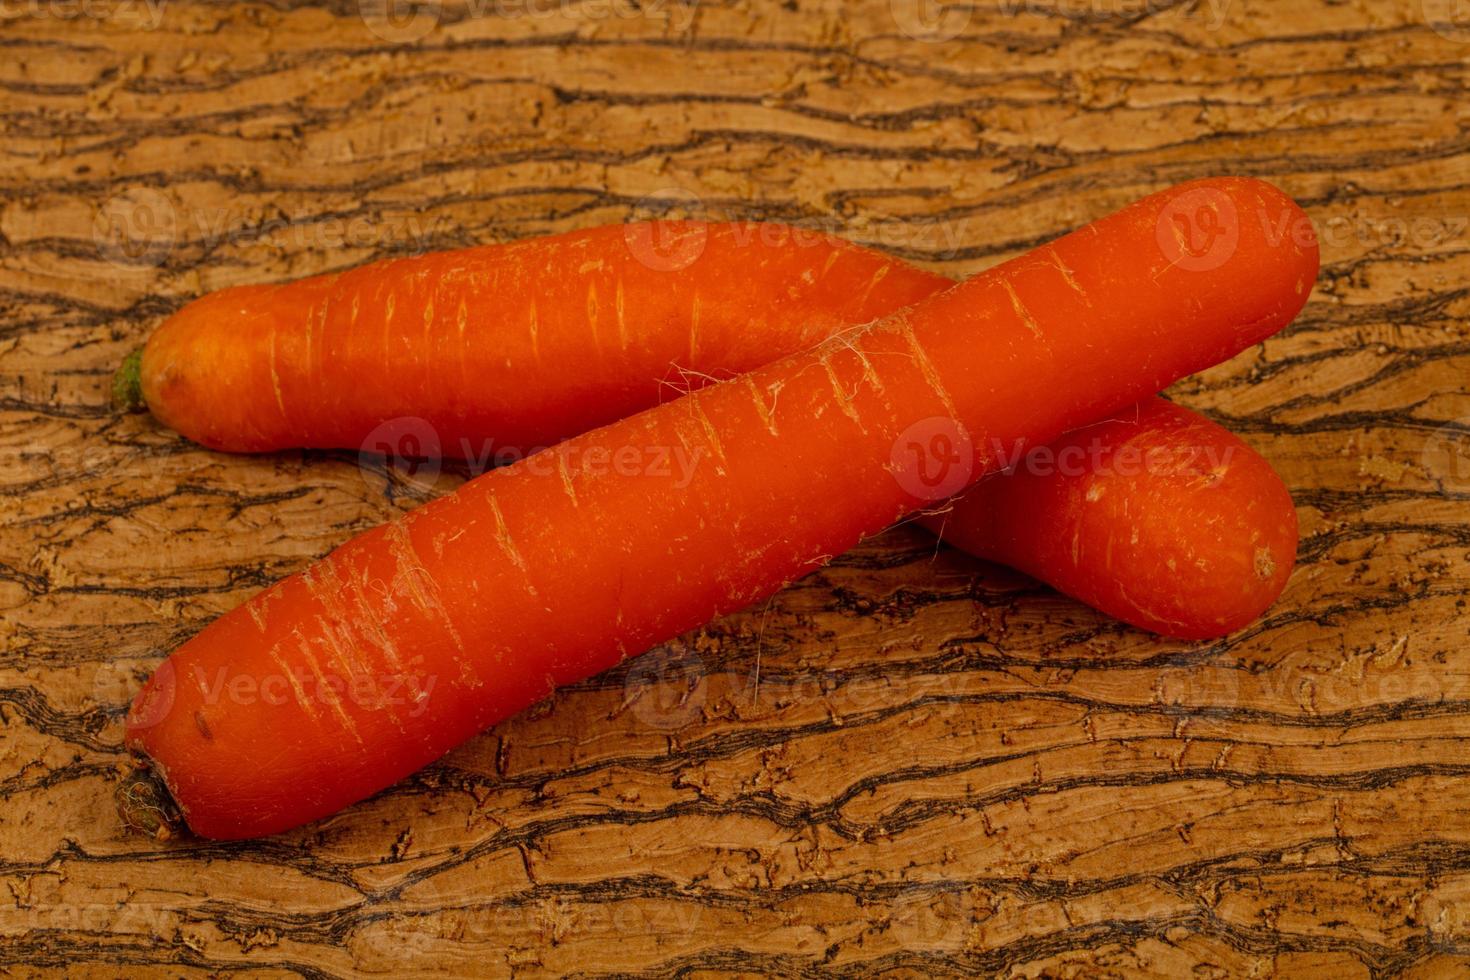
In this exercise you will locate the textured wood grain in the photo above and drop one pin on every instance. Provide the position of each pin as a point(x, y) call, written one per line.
point(908, 763)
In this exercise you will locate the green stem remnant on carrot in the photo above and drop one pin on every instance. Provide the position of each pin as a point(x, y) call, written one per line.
point(127, 384)
point(145, 805)
point(412, 637)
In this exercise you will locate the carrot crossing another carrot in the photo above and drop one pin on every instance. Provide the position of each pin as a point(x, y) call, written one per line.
point(521, 581)
point(496, 350)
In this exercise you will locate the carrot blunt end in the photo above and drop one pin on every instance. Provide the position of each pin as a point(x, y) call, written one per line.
point(146, 806)
point(127, 384)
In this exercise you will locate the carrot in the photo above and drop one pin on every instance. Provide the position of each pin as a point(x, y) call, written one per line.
point(525, 343)
point(506, 347)
point(406, 640)
point(1157, 517)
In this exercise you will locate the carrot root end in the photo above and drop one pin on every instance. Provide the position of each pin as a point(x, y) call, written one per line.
point(127, 384)
point(146, 806)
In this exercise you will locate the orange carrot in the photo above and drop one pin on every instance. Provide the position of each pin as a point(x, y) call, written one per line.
point(1157, 517)
point(412, 637)
point(525, 343)
point(504, 347)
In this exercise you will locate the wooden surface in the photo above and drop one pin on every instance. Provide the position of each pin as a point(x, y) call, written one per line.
point(909, 762)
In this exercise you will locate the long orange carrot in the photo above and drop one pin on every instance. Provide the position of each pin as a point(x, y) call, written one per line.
point(552, 569)
point(494, 349)
point(525, 343)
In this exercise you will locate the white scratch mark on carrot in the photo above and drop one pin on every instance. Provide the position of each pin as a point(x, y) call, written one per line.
point(535, 330)
point(386, 344)
point(591, 265)
point(366, 616)
point(1067, 276)
point(847, 339)
point(1147, 612)
point(876, 278)
point(340, 655)
point(694, 309)
point(844, 399)
point(275, 375)
point(419, 582)
point(566, 477)
point(710, 433)
point(622, 318)
point(461, 322)
point(926, 367)
point(353, 675)
point(1020, 308)
point(313, 327)
point(592, 311)
point(324, 688)
point(306, 703)
point(766, 412)
point(507, 545)
point(870, 373)
point(684, 443)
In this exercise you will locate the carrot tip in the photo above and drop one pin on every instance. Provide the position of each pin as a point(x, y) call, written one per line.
point(146, 806)
point(127, 384)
